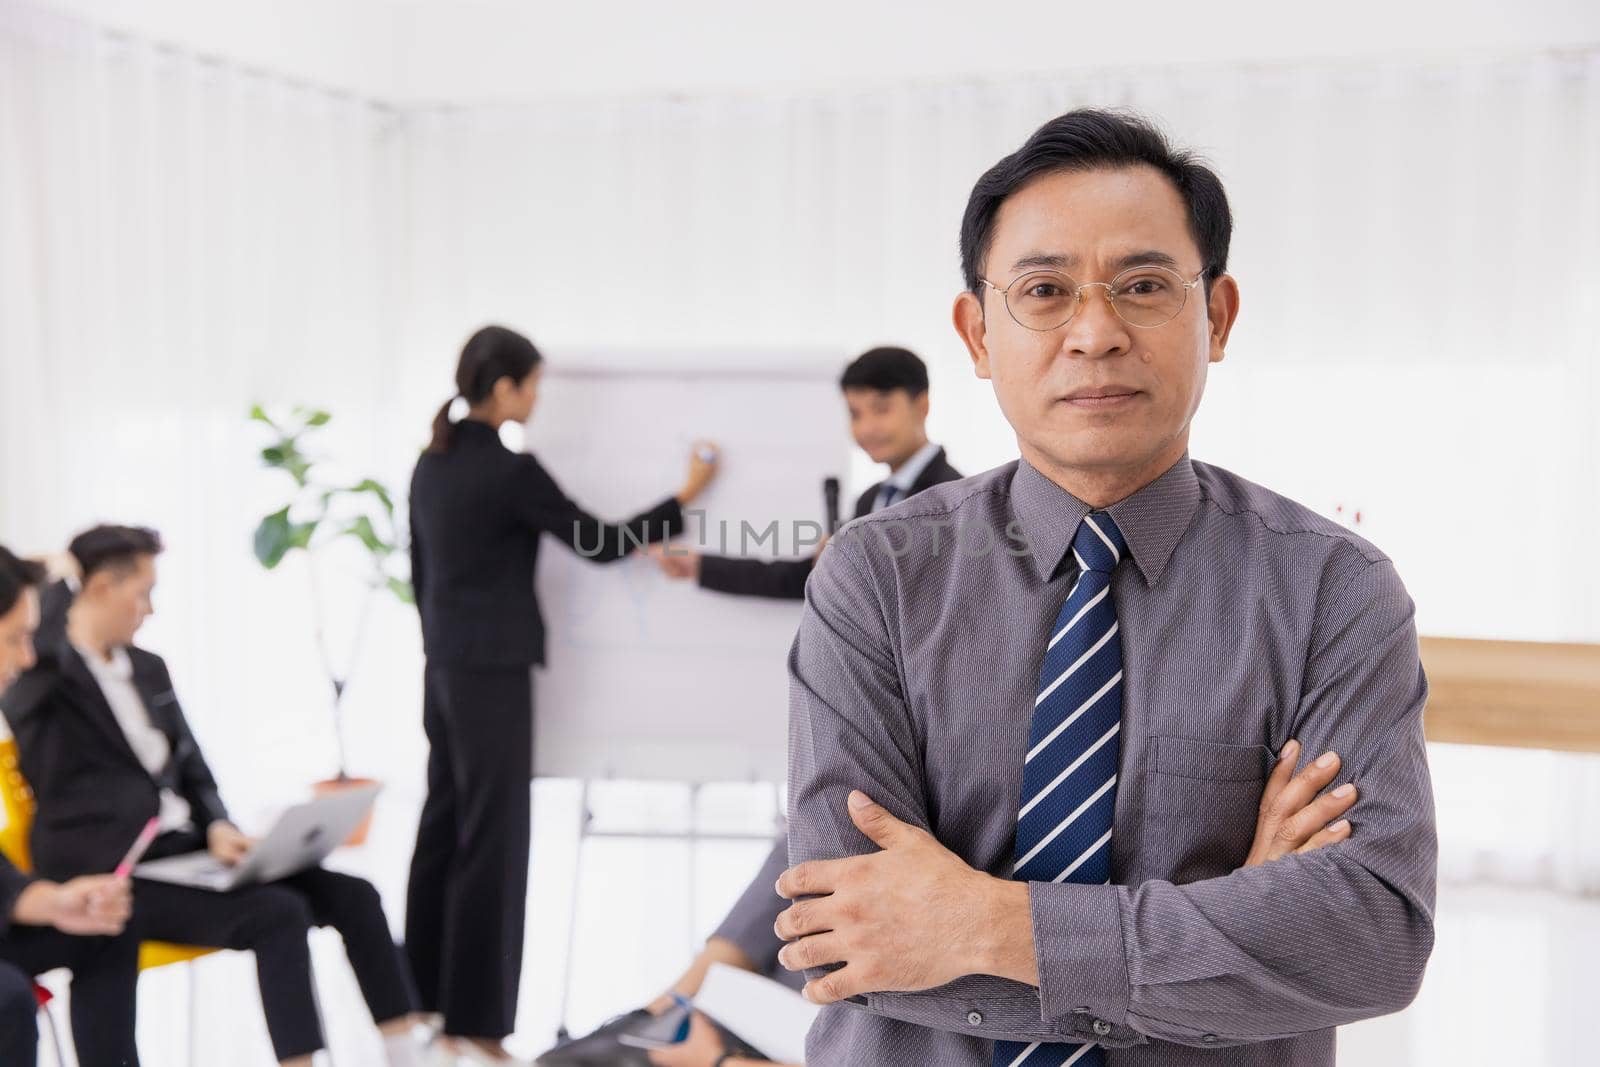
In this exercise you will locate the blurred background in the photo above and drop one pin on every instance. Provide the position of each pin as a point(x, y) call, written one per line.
point(206, 206)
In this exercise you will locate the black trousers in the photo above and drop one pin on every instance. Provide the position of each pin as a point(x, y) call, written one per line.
point(468, 892)
point(272, 921)
point(105, 982)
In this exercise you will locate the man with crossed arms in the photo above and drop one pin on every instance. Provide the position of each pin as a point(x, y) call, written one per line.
point(1032, 711)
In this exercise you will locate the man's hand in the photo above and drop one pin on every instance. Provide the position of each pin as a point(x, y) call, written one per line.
point(915, 916)
point(700, 1049)
point(94, 905)
point(227, 842)
point(912, 916)
point(675, 562)
point(1293, 818)
point(703, 459)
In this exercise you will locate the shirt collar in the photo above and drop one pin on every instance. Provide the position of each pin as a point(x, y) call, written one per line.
point(1152, 520)
point(118, 667)
point(904, 478)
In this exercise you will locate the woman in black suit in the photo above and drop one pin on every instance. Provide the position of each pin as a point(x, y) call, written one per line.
point(478, 512)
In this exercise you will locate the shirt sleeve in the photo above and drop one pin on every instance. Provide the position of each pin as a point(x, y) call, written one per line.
point(195, 780)
point(1302, 943)
point(12, 883)
point(779, 579)
point(541, 503)
point(850, 728)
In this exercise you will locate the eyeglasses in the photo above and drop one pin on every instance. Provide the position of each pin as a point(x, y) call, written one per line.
point(1145, 297)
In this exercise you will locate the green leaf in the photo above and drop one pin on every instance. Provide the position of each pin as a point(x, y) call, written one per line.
point(402, 589)
point(377, 489)
point(259, 414)
point(276, 537)
point(296, 463)
point(300, 534)
point(318, 418)
point(272, 540)
point(363, 530)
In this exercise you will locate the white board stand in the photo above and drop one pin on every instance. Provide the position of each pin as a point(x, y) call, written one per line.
point(692, 836)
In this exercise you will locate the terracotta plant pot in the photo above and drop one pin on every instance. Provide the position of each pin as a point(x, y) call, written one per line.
point(358, 836)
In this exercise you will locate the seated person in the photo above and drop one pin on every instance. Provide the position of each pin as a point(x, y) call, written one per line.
point(1293, 819)
point(106, 747)
point(78, 924)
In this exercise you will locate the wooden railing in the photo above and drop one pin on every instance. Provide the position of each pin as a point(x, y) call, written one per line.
point(1520, 694)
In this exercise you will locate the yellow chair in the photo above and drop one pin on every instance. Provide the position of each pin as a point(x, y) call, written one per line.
point(16, 796)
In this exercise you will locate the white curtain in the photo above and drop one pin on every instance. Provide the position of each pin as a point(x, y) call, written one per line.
point(1418, 341)
point(178, 241)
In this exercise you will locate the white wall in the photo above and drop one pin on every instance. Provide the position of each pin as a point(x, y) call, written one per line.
point(349, 45)
point(488, 50)
point(507, 49)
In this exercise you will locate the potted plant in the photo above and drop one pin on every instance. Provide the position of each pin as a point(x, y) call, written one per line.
point(318, 514)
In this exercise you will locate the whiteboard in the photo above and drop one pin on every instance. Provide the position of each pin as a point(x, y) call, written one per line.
point(648, 677)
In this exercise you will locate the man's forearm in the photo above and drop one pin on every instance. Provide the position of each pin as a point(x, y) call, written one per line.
point(1008, 951)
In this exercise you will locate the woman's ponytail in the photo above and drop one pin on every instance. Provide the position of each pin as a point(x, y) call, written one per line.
point(443, 429)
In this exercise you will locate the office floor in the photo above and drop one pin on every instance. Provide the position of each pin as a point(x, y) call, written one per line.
point(1508, 971)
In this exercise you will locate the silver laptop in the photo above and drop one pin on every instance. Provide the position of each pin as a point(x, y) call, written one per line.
point(301, 838)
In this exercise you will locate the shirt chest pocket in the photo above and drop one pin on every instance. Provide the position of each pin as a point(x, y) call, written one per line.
point(1203, 801)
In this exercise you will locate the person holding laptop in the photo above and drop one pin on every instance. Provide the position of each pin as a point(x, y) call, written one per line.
point(105, 745)
point(79, 924)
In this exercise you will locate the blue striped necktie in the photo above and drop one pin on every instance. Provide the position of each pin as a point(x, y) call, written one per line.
point(1069, 777)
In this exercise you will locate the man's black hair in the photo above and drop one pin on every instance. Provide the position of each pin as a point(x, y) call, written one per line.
point(886, 369)
point(1096, 139)
point(16, 577)
point(115, 548)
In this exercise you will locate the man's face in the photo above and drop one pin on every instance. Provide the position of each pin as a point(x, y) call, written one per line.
point(121, 599)
point(16, 637)
point(1096, 395)
point(889, 425)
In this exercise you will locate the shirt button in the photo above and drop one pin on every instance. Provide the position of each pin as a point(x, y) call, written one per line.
point(975, 1018)
point(1101, 1027)
point(1209, 1039)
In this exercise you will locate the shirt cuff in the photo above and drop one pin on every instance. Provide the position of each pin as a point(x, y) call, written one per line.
point(1082, 959)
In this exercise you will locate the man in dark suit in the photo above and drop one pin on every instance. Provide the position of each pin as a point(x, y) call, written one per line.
point(105, 745)
point(44, 925)
point(886, 392)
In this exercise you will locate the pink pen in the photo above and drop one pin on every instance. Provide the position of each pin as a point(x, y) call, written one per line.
point(140, 843)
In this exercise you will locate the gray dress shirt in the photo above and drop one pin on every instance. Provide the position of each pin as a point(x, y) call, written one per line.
point(1245, 620)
